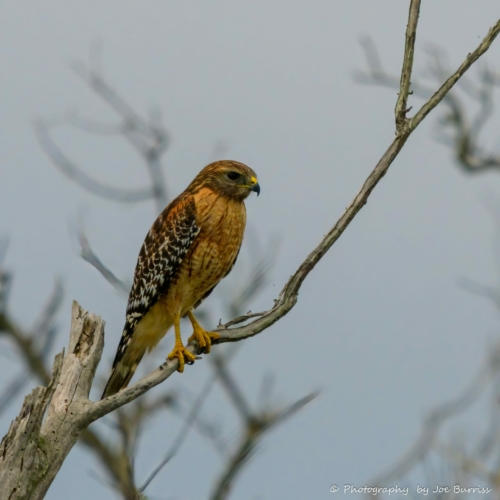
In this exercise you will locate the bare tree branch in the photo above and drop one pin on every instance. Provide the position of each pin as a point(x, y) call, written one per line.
point(450, 82)
point(40, 343)
point(242, 319)
point(464, 132)
point(5, 282)
point(13, 389)
point(23, 454)
point(435, 420)
point(258, 276)
point(254, 433)
point(35, 347)
point(411, 35)
point(254, 422)
point(26, 346)
point(207, 428)
point(179, 440)
point(232, 389)
point(377, 75)
point(288, 296)
point(89, 256)
point(70, 411)
point(93, 126)
point(490, 292)
point(35, 448)
point(149, 138)
point(68, 168)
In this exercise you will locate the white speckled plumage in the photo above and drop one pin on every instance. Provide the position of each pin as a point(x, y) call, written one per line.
point(192, 245)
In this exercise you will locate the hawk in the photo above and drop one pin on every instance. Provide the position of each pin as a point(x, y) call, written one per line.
point(192, 245)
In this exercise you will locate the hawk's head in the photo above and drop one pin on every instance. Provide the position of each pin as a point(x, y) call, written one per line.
point(227, 177)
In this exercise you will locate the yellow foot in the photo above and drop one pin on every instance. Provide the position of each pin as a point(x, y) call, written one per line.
point(203, 337)
point(183, 355)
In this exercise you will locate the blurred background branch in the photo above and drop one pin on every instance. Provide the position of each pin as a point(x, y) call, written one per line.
point(255, 424)
point(434, 459)
point(117, 456)
point(457, 128)
point(148, 138)
point(117, 452)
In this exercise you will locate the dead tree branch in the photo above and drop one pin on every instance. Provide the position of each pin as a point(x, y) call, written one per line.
point(179, 440)
point(255, 424)
point(288, 296)
point(75, 173)
point(34, 448)
point(456, 129)
point(88, 255)
point(70, 411)
point(404, 88)
point(147, 137)
point(446, 463)
point(436, 419)
point(34, 347)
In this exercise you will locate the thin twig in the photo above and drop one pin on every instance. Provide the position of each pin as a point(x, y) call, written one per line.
point(289, 295)
point(149, 138)
point(195, 409)
point(12, 390)
point(241, 319)
point(377, 75)
point(259, 275)
point(465, 133)
point(232, 389)
point(252, 436)
point(27, 348)
point(207, 429)
point(432, 425)
point(89, 256)
point(34, 351)
point(450, 82)
point(68, 168)
point(404, 90)
point(43, 329)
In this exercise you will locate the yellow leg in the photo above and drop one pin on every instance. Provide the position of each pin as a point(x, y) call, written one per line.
point(203, 337)
point(179, 351)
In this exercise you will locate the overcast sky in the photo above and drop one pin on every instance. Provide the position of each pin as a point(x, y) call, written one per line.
point(381, 326)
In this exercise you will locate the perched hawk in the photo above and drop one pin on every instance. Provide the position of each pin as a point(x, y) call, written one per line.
point(192, 245)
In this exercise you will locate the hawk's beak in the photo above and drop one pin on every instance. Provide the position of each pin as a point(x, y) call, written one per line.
point(254, 185)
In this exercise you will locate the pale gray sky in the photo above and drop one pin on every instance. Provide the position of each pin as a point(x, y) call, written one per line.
point(391, 332)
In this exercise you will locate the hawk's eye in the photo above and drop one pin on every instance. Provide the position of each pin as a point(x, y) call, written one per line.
point(233, 175)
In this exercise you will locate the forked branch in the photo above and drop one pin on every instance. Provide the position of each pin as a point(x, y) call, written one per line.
point(288, 296)
point(70, 411)
point(404, 90)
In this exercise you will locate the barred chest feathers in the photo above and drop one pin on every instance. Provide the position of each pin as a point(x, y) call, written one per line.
point(222, 224)
point(191, 246)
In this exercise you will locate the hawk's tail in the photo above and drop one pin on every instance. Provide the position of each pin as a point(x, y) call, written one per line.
point(121, 374)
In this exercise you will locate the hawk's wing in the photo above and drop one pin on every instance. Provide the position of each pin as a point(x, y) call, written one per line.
point(160, 259)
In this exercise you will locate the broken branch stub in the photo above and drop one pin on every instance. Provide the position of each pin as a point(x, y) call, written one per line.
point(34, 449)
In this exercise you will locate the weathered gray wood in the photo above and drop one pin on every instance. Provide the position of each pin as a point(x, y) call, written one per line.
point(24, 454)
point(34, 449)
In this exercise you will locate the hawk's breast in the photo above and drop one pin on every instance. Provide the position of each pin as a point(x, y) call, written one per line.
point(222, 223)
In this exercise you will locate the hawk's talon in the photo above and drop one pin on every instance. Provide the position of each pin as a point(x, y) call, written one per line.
point(190, 247)
point(203, 338)
point(180, 352)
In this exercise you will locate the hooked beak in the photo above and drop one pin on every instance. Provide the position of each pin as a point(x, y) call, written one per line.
point(254, 185)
